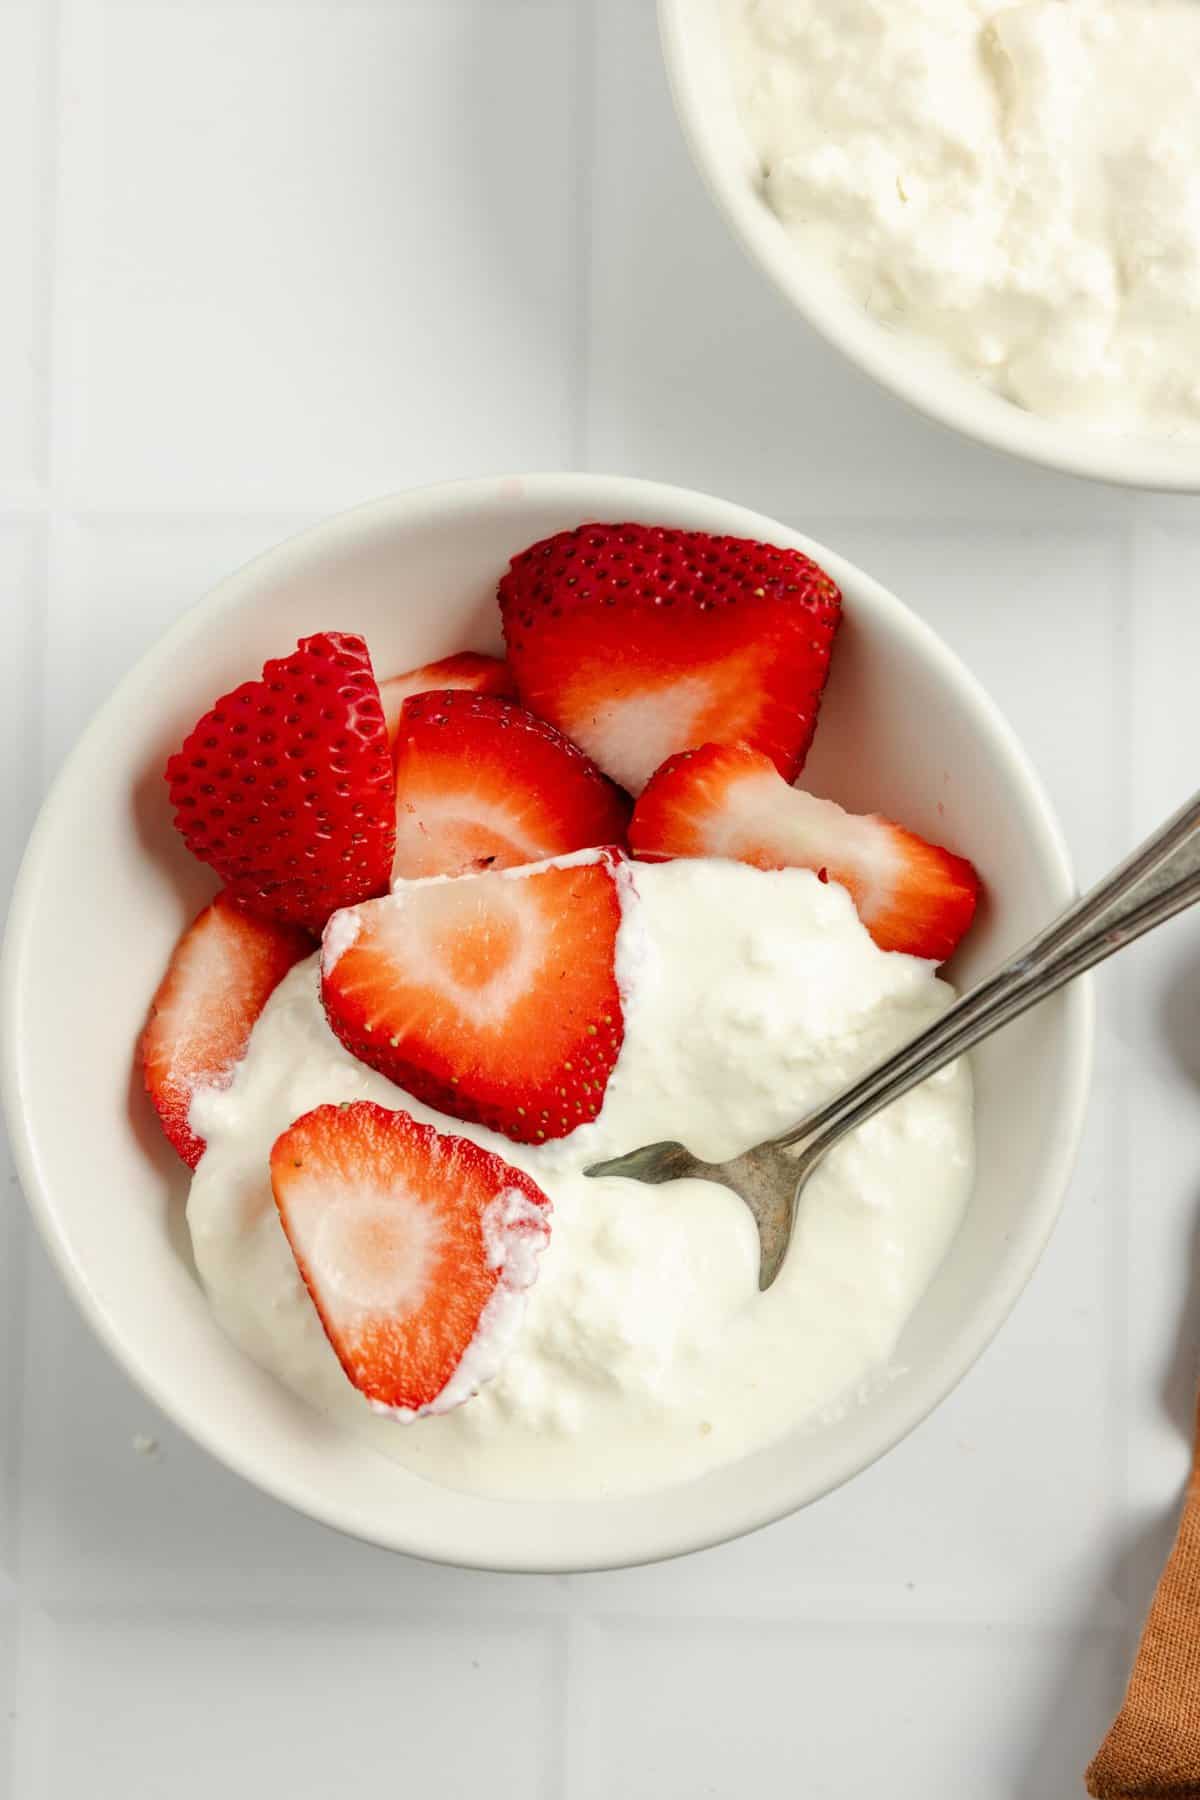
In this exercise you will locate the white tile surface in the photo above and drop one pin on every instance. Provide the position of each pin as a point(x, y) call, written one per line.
point(265, 259)
point(831, 1711)
point(9, 1667)
point(181, 1706)
point(26, 137)
point(22, 598)
point(22, 588)
point(256, 200)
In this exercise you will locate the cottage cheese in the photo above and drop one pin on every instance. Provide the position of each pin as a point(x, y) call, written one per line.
point(646, 1353)
point(1017, 185)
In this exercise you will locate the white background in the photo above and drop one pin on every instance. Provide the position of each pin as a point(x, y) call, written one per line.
point(266, 258)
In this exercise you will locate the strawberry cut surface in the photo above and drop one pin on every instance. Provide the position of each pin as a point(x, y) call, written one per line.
point(469, 670)
point(730, 801)
point(285, 786)
point(416, 1248)
point(222, 972)
point(638, 641)
point(481, 783)
point(493, 997)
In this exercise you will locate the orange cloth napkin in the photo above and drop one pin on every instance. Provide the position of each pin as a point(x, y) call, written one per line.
point(1153, 1748)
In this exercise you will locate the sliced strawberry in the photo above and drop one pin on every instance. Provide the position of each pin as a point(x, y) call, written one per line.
point(286, 788)
point(416, 1248)
point(222, 972)
point(492, 997)
point(638, 642)
point(482, 784)
point(469, 670)
point(730, 801)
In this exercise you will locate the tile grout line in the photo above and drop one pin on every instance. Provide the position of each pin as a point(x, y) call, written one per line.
point(43, 512)
point(982, 1624)
point(28, 1702)
point(54, 509)
point(582, 187)
point(832, 1626)
point(47, 242)
point(34, 771)
point(558, 1759)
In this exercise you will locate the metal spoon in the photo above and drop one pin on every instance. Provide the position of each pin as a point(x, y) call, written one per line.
point(1152, 885)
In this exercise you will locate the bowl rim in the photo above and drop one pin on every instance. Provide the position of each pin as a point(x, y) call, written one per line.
point(595, 496)
point(942, 394)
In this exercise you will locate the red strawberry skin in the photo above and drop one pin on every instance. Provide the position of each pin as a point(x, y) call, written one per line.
point(639, 641)
point(414, 1247)
point(730, 801)
point(469, 670)
point(285, 787)
point(493, 998)
point(222, 972)
point(481, 783)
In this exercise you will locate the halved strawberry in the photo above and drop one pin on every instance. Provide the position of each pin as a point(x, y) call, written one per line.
point(728, 800)
point(493, 997)
point(638, 642)
point(222, 972)
point(285, 786)
point(469, 670)
point(482, 784)
point(416, 1248)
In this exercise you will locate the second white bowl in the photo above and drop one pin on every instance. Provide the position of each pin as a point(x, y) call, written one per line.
point(698, 70)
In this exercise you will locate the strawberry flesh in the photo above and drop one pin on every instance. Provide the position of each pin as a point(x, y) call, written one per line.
point(468, 670)
point(415, 1247)
point(285, 787)
point(481, 783)
point(730, 801)
point(493, 997)
point(639, 641)
point(222, 972)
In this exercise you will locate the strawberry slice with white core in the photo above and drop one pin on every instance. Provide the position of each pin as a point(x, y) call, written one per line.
point(493, 997)
point(481, 783)
point(638, 641)
point(416, 1248)
point(730, 801)
point(222, 972)
point(469, 670)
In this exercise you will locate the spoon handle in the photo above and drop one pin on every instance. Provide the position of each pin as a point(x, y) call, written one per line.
point(1157, 881)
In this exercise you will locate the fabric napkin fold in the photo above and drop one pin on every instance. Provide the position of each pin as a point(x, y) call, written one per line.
point(1153, 1747)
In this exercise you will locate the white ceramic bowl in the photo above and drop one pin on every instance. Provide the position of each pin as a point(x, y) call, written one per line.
point(699, 76)
point(107, 885)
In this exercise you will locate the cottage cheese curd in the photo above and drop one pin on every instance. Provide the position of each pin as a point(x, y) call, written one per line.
point(1016, 184)
point(646, 1354)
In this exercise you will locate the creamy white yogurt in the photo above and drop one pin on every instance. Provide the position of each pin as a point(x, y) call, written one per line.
point(646, 1353)
point(1018, 185)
